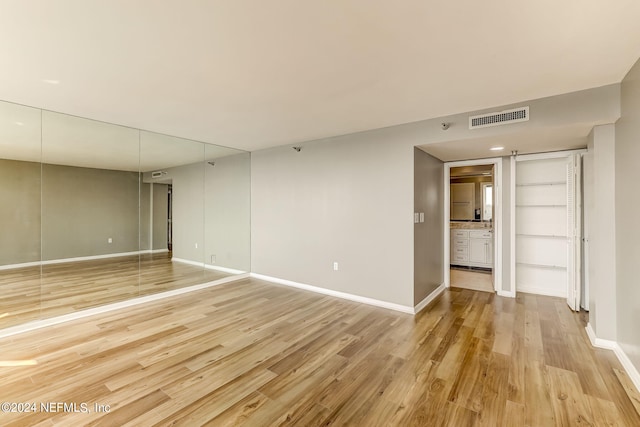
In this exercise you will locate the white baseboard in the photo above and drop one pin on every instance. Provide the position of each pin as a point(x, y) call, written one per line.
point(187, 261)
point(21, 265)
point(155, 251)
point(599, 342)
point(337, 294)
point(18, 329)
point(433, 295)
point(208, 266)
point(542, 291)
point(508, 294)
point(626, 363)
point(223, 269)
point(628, 366)
point(82, 258)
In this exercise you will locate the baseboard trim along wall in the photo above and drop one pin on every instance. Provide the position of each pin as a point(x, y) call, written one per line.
point(352, 297)
point(208, 266)
point(542, 291)
point(626, 363)
point(508, 294)
point(82, 258)
point(425, 302)
point(37, 324)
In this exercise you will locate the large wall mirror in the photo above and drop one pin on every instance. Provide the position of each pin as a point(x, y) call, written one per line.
point(94, 213)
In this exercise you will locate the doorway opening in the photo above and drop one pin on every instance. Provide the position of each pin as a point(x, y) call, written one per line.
point(548, 232)
point(473, 246)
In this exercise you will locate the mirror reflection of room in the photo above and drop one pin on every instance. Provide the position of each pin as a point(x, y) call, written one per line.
point(471, 224)
point(95, 213)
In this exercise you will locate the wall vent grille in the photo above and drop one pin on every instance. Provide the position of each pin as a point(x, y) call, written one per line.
point(500, 118)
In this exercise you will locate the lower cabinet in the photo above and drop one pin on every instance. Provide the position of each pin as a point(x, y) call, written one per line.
point(472, 248)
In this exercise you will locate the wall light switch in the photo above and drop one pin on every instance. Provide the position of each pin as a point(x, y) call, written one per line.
point(109, 240)
point(416, 218)
point(421, 216)
point(335, 266)
point(196, 246)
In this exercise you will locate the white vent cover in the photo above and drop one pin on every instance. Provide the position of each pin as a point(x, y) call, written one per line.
point(500, 118)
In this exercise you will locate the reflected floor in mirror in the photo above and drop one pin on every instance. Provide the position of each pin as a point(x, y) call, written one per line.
point(73, 286)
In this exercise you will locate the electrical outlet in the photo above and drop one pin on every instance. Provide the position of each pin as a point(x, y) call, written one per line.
point(213, 259)
point(109, 240)
point(421, 216)
point(416, 218)
point(335, 266)
point(196, 246)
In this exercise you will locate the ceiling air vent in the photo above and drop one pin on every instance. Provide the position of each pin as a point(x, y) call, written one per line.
point(156, 174)
point(500, 118)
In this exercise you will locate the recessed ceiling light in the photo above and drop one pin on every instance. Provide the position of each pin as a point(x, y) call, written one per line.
point(496, 148)
point(20, 123)
point(51, 81)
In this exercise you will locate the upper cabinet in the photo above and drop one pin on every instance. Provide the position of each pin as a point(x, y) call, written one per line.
point(463, 203)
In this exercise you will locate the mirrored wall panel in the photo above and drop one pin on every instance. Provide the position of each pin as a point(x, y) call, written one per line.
point(20, 179)
point(99, 213)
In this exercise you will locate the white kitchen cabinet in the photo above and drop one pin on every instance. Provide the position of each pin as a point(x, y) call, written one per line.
point(472, 248)
point(480, 248)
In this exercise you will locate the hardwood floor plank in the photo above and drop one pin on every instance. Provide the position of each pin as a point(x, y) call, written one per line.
point(514, 414)
point(254, 354)
point(632, 393)
point(570, 404)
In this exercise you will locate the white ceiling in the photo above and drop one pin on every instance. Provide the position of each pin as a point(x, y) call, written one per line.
point(253, 74)
point(536, 140)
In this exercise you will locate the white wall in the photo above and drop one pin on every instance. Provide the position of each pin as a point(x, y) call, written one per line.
point(227, 212)
point(600, 203)
point(627, 212)
point(350, 198)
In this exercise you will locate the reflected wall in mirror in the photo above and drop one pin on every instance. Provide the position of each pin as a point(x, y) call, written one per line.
point(20, 151)
point(90, 224)
point(98, 213)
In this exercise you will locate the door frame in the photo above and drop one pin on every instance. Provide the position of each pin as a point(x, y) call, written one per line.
point(514, 168)
point(497, 220)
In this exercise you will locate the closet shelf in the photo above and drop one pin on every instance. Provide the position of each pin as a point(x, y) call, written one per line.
point(543, 266)
point(541, 206)
point(544, 236)
point(540, 184)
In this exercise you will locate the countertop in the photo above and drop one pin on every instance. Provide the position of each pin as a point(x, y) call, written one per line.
point(469, 225)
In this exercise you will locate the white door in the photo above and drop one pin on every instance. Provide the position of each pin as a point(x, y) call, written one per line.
point(574, 227)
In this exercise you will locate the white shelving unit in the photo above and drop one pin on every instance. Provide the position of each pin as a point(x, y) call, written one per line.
point(541, 226)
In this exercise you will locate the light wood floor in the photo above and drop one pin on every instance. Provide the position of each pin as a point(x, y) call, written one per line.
point(471, 279)
point(68, 287)
point(256, 354)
